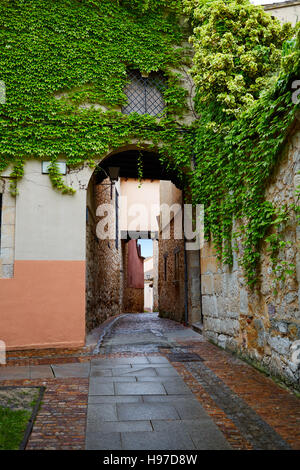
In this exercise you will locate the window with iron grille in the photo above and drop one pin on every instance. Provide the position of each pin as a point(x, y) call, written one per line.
point(144, 93)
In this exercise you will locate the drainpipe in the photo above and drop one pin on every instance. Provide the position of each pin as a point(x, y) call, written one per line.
point(200, 286)
point(186, 280)
point(186, 287)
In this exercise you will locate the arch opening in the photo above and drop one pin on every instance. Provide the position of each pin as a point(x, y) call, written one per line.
point(119, 214)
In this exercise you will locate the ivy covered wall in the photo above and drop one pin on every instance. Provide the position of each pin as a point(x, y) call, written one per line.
point(64, 64)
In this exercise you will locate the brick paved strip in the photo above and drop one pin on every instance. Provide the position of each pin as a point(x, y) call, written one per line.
point(228, 428)
point(277, 406)
point(259, 433)
point(67, 359)
point(61, 420)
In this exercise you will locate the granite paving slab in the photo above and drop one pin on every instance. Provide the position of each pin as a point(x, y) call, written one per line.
point(14, 373)
point(149, 388)
point(97, 413)
point(100, 388)
point(146, 411)
point(71, 370)
point(103, 441)
point(40, 372)
point(157, 441)
point(204, 433)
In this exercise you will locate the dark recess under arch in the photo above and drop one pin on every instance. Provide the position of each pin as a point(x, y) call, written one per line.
point(127, 161)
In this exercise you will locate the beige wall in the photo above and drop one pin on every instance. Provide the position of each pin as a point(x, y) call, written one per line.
point(148, 266)
point(169, 193)
point(171, 290)
point(50, 226)
point(155, 275)
point(146, 195)
point(42, 301)
point(285, 12)
point(148, 297)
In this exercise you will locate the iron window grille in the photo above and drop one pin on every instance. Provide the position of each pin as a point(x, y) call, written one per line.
point(144, 93)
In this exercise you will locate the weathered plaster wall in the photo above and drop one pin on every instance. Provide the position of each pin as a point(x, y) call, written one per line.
point(285, 12)
point(148, 296)
point(177, 295)
point(49, 226)
point(42, 289)
point(43, 306)
point(261, 324)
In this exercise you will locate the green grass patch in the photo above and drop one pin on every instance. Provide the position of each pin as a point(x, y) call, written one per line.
point(13, 424)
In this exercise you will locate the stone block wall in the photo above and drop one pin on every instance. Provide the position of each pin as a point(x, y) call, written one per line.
point(103, 264)
point(262, 324)
point(171, 291)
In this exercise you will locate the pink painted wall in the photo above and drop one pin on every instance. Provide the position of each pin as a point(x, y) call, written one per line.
point(135, 266)
point(43, 305)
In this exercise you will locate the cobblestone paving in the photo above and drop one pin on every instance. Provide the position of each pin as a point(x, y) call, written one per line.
point(141, 333)
point(128, 395)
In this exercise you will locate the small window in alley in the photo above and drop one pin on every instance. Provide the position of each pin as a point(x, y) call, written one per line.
point(144, 93)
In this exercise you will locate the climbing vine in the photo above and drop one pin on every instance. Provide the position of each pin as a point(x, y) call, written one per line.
point(65, 62)
point(246, 111)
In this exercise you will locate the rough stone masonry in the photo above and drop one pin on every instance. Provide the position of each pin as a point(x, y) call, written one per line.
point(262, 324)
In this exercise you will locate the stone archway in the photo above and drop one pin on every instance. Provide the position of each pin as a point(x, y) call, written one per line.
point(105, 263)
point(108, 292)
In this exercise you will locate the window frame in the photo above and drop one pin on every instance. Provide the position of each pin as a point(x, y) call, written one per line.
point(155, 80)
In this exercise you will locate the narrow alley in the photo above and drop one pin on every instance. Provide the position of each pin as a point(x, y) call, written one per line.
point(152, 383)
